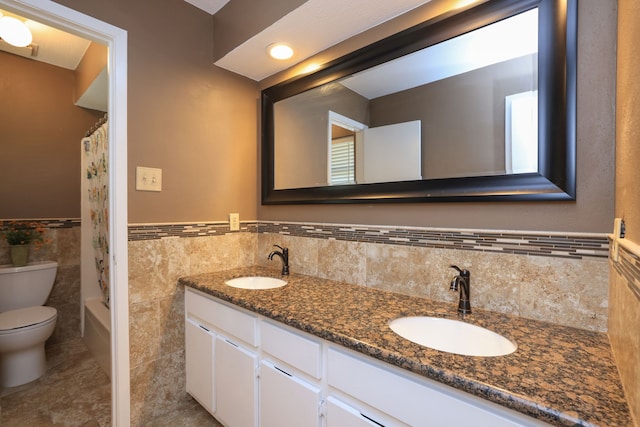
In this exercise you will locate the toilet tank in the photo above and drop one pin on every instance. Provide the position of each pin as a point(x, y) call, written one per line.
point(26, 286)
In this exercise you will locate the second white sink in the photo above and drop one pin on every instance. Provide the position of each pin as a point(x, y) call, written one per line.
point(452, 336)
point(256, 282)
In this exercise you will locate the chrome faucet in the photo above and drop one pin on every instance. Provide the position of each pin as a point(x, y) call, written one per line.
point(283, 253)
point(462, 281)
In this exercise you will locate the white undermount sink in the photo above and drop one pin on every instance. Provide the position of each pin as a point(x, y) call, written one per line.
point(256, 282)
point(452, 336)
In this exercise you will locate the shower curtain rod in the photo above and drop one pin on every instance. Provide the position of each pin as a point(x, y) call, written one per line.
point(95, 127)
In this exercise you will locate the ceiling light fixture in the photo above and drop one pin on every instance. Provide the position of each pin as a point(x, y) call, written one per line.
point(280, 51)
point(14, 31)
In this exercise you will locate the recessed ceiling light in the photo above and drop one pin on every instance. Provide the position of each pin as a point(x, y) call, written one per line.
point(280, 51)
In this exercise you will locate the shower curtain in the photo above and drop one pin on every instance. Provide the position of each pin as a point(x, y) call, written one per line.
point(96, 151)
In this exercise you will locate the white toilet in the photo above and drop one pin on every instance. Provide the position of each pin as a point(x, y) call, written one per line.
point(25, 324)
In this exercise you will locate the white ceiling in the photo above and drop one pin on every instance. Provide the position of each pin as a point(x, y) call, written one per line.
point(311, 28)
point(52, 46)
point(211, 6)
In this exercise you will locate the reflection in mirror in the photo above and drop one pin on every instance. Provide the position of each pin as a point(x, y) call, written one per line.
point(446, 111)
point(342, 148)
point(485, 100)
point(363, 155)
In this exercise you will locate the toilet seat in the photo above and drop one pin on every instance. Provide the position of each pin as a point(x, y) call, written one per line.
point(13, 320)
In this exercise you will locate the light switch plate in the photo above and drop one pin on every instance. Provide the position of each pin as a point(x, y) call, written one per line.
point(234, 222)
point(148, 179)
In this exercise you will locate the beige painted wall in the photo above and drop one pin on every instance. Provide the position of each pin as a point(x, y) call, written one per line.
point(624, 312)
point(593, 210)
point(183, 119)
point(628, 119)
point(196, 122)
point(93, 62)
point(40, 133)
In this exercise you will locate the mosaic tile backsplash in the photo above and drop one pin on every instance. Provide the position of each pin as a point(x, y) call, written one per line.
point(552, 244)
point(576, 246)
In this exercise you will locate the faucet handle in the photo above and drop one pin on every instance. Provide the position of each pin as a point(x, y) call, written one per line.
point(463, 272)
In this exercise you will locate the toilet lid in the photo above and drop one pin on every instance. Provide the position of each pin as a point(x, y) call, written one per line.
point(24, 317)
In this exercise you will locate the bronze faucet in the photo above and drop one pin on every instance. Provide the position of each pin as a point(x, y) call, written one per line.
point(462, 281)
point(283, 253)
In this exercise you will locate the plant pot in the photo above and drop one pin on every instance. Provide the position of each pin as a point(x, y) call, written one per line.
point(19, 255)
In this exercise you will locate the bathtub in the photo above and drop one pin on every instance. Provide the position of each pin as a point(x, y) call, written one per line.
point(97, 327)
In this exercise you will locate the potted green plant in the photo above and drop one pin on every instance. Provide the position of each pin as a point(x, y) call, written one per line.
point(20, 235)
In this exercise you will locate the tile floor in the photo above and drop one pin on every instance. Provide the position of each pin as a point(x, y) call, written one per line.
point(76, 392)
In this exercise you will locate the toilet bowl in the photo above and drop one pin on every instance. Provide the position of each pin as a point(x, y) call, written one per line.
point(25, 324)
point(23, 333)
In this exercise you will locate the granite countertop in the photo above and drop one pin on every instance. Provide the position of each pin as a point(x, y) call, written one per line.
point(561, 375)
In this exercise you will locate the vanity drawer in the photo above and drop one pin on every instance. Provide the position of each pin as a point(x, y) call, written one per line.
point(226, 319)
point(412, 402)
point(292, 348)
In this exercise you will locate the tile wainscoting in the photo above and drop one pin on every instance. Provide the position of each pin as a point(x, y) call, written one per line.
point(157, 258)
point(556, 277)
point(624, 321)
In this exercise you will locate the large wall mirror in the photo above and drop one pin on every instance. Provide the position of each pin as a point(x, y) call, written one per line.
point(473, 106)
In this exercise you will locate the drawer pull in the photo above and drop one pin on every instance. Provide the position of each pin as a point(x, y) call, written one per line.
point(284, 372)
point(372, 420)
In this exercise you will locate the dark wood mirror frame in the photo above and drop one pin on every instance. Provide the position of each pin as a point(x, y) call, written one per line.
point(556, 177)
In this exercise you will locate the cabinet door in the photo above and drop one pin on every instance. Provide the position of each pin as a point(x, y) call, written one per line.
point(199, 352)
point(339, 414)
point(235, 384)
point(285, 400)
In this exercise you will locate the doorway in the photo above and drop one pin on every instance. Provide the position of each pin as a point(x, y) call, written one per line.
point(74, 22)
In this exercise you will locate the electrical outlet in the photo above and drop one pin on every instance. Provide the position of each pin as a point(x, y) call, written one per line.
point(618, 228)
point(234, 222)
point(618, 233)
point(148, 179)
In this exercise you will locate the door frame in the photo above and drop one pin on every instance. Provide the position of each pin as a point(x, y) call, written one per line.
point(69, 20)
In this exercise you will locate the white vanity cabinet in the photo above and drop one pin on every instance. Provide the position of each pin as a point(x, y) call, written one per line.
point(286, 400)
point(199, 348)
point(221, 359)
point(235, 384)
point(248, 370)
point(290, 392)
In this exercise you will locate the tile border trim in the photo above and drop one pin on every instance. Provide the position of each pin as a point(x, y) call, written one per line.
point(52, 223)
point(628, 266)
point(549, 244)
point(184, 230)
